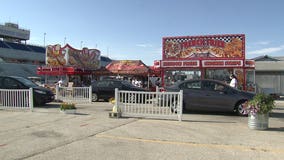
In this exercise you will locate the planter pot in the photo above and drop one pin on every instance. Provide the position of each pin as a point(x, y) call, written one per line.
point(68, 111)
point(258, 121)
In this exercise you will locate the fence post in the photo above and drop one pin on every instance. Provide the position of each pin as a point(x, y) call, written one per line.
point(157, 96)
point(90, 94)
point(56, 92)
point(31, 99)
point(116, 99)
point(180, 105)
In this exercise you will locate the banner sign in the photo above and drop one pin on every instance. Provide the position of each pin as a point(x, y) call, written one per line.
point(204, 63)
point(222, 63)
point(204, 47)
point(250, 63)
point(193, 63)
point(68, 56)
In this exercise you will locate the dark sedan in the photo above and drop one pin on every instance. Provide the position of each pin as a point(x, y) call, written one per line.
point(211, 95)
point(41, 95)
point(105, 89)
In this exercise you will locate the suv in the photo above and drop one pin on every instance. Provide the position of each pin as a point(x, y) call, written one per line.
point(105, 89)
point(41, 95)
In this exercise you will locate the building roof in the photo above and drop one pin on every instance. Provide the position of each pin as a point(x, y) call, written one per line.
point(269, 65)
point(265, 58)
point(128, 67)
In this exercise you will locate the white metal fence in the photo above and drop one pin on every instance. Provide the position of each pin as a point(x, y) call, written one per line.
point(74, 94)
point(16, 98)
point(162, 105)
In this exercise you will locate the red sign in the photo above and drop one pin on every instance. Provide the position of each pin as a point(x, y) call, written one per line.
point(193, 63)
point(222, 63)
point(250, 63)
point(204, 47)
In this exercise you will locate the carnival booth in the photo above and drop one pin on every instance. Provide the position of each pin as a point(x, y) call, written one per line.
point(70, 63)
point(128, 68)
point(207, 57)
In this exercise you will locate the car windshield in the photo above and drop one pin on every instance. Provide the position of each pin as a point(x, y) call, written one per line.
point(26, 82)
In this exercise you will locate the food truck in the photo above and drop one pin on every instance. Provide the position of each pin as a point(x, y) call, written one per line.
point(207, 57)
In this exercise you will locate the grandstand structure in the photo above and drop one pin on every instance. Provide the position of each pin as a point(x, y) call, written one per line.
point(17, 57)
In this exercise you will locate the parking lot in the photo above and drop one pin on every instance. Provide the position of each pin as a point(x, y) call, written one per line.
point(46, 133)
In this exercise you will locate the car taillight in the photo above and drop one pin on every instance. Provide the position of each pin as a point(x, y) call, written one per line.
point(162, 89)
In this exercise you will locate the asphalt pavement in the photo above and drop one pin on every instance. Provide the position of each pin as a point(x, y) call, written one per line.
point(46, 134)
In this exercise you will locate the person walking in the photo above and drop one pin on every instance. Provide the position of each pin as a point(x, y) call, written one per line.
point(234, 81)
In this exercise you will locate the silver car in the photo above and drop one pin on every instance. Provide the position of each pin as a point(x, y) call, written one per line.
point(211, 95)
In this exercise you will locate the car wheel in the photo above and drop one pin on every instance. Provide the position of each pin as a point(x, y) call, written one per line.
point(94, 97)
point(241, 109)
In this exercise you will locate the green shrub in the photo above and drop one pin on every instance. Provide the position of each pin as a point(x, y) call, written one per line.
point(261, 103)
point(65, 106)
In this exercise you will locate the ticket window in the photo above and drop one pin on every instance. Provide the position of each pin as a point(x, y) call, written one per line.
point(170, 77)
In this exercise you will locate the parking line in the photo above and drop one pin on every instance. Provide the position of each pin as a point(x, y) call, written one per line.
point(208, 145)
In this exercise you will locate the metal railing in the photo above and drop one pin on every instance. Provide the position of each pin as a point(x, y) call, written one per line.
point(16, 98)
point(161, 105)
point(74, 94)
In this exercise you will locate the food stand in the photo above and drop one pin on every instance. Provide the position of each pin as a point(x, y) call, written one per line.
point(206, 57)
point(70, 62)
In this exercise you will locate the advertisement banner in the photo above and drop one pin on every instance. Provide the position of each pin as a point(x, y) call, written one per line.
point(204, 47)
point(68, 56)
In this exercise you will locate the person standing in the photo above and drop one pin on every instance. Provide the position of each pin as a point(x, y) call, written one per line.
point(60, 83)
point(234, 81)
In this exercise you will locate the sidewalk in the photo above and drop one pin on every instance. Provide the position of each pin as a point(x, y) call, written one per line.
point(91, 134)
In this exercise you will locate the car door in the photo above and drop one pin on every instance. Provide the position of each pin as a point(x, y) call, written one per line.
point(109, 90)
point(10, 83)
point(102, 89)
point(216, 97)
point(192, 94)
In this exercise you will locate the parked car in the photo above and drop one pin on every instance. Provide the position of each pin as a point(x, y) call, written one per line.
point(105, 89)
point(41, 95)
point(211, 95)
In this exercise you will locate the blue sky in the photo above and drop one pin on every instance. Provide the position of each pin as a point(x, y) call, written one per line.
point(133, 29)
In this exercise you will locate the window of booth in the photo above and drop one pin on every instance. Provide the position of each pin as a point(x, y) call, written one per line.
point(219, 74)
point(170, 77)
point(250, 81)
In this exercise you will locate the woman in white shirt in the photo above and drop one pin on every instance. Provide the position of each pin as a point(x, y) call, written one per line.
point(234, 81)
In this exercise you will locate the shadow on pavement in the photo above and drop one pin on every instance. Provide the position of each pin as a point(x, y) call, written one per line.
point(198, 121)
point(82, 114)
point(48, 105)
point(281, 129)
point(211, 113)
point(276, 115)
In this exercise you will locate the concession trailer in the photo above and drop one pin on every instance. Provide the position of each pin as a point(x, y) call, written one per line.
point(207, 57)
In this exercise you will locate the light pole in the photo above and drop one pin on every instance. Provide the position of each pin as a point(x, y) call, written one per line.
point(81, 44)
point(44, 34)
point(64, 40)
